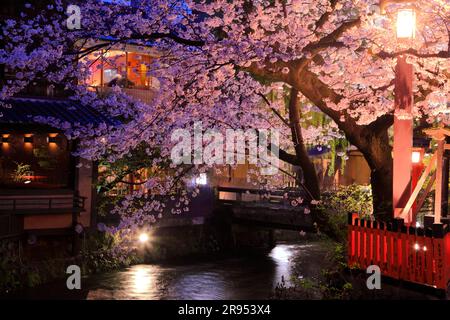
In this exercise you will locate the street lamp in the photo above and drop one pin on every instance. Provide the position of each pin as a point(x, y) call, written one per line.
point(406, 23)
point(143, 237)
point(403, 126)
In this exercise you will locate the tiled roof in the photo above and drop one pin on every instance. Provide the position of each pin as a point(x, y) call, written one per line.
point(23, 110)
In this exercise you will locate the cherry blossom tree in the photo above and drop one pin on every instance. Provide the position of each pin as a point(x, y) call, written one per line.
point(218, 62)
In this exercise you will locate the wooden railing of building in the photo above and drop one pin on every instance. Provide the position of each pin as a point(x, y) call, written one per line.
point(419, 255)
point(13, 209)
point(42, 205)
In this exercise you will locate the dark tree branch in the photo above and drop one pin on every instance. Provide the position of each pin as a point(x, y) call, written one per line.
point(414, 52)
point(274, 110)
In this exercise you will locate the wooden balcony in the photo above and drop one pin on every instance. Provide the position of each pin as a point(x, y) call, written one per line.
point(13, 208)
point(41, 205)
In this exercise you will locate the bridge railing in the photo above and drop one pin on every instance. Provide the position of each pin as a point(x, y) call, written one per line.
point(420, 255)
point(231, 195)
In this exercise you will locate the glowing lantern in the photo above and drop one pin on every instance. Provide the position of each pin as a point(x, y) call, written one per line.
point(416, 157)
point(143, 237)
point(406, 23)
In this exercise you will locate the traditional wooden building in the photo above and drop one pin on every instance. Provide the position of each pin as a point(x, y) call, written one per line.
point(45, 191)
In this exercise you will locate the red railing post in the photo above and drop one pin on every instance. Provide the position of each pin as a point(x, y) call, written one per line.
point(428, 259)
point(350, 239)
point(361, 242)
point(440, 278)
point(388, 249)
point(447, 255)
point(353, 238)
point(420, 257)
point(382, 233)
point(369, 242)
point(375, 245)
point(404, 245)
point(395, 250)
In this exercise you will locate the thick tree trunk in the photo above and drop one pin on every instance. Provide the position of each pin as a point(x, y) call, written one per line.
point(372, 140)
point(309, 171)
point(377, 152)
point(381, 182)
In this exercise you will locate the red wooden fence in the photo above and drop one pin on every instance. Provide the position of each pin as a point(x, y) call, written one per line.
point(412, 254)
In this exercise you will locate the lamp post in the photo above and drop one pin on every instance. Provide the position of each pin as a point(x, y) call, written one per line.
point(403, 122)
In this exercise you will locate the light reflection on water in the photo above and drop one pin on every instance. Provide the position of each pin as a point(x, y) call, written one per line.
point(143, 279)
point(249, 277)
point(282, 255)
point(239, 277)
point(236, 278)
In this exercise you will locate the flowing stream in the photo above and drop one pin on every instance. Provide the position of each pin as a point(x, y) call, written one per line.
point(237, 277)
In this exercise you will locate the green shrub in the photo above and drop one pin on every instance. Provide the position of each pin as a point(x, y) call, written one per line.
point(335, 206)
point(102, 253)
point(353, 198)
point(11, 268)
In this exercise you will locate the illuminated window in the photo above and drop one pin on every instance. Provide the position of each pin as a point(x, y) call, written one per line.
point(109, 75)
point(37, 164)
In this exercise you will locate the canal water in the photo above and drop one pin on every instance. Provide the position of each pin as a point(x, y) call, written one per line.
point(237, 277)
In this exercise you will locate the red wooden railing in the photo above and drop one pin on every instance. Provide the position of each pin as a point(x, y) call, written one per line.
point(411, 254)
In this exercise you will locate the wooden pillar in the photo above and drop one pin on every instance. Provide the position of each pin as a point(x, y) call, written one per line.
point(445, 169)
point(417, 169)
point(445, 180)
point(403, 135)
point(439, 134)
point(438, 190)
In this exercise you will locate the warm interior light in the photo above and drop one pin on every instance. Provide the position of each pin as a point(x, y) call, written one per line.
point(5, 138)
point(143, 237)
point(406, 23)
point(52, 138)
point(416, 246)
point(28, 138)
point(415, 157)
point(113, 53)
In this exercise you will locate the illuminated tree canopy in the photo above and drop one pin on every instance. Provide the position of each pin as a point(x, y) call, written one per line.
point(219, 61)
